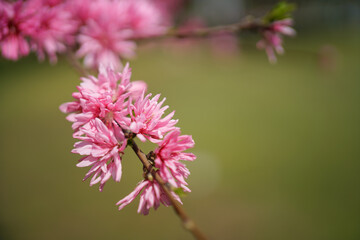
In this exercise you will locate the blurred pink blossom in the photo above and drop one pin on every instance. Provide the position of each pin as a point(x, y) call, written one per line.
point(53, 3)
point(17, 23)
point(55, 31)
point(3, 20)
point(103, 29)
point(272, 37)
point(106, 35)
point(83, 10)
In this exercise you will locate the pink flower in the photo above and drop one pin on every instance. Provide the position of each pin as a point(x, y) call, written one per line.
point(45, 25)
point(105, 37)
point(137, 88)
point(17, 23)
point(168, 156)
point(273, 38)
point(80, 9)
point(102, 150)
point(144, 18)
point(173, 145)
point(105, 97)
point(151, 196)
point(55, 32)
point(284, 27)
point(102, 44)
point(146, 118)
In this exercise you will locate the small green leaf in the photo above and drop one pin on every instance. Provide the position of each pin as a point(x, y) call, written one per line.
point(280, 11)
point(180, 192)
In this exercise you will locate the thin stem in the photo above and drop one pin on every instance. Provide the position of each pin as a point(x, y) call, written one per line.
point(76, 64)
point(188, 223)
point(247, 24)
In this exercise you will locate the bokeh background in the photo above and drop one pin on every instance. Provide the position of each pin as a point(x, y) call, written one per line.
point(278, 145)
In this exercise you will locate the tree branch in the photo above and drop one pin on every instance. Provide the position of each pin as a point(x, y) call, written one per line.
point(247, 24)
point(76, 64)
point(187, 222)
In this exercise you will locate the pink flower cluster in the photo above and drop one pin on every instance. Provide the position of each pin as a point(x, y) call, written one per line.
point(35, 24)
point(272, 37)
point(100, 31)
point(105, 109)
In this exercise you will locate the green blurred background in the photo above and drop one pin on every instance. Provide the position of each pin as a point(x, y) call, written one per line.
point(278, 145)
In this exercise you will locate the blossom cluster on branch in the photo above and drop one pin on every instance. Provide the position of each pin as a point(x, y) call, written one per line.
point(98, 30)
point(103, 32)
point(107, 113)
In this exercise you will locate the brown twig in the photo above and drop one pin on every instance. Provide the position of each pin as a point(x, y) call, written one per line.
point(76, 64)
point(187, 222)
point(247, 24)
